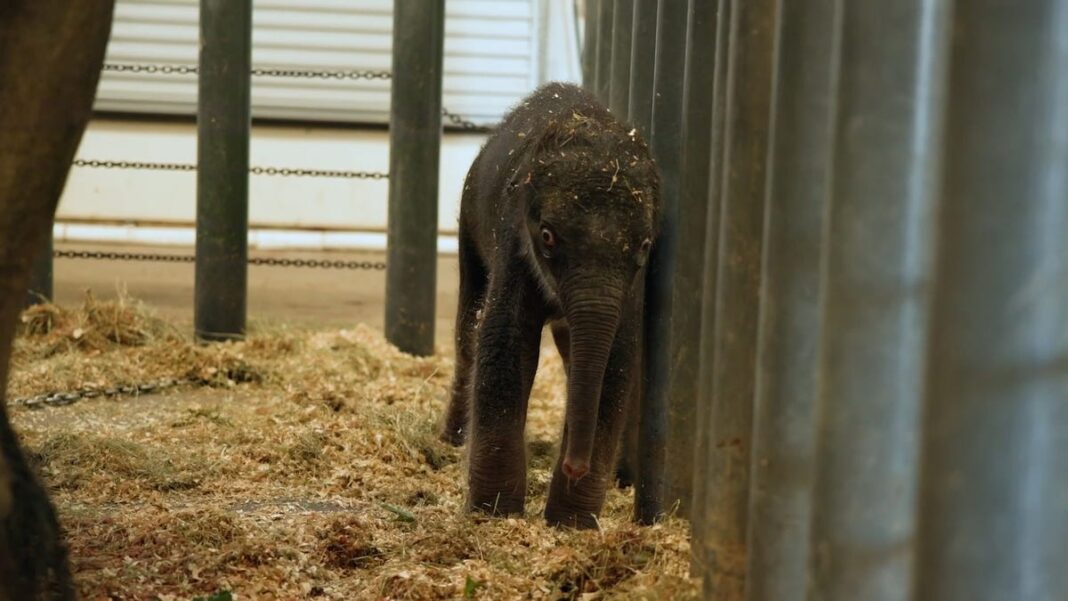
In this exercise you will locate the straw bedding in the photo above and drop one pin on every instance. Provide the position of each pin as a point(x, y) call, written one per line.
point(302, 464)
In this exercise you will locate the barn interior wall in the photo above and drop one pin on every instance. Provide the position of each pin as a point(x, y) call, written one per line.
point(153, 206)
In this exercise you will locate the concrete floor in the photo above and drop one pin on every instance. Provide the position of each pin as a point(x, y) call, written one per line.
point(305, 297)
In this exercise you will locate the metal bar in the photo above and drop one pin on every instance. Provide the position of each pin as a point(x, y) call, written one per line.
point(605, 11)
point(698, 84)
point(699, 535)
point(589, 45)
point(642, 65)
point(781, 466)
point(622, 30)
point(223, 123)
point(738, 295)
point(640, 115)
point(414, 151)
point(994, 489)
point(41, 275)
point(666, 145)
point(875, 298)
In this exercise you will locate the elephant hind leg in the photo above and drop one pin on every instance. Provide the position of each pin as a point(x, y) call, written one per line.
point(473, 280)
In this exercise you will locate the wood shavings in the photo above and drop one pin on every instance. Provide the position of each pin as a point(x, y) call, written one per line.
point(322, 477)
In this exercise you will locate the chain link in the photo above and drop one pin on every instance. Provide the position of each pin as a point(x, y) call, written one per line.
point(62, 399)
point(335, 74)
point(166, 69)
point(96, 164)
point(269, 171)
point(262, 261)
point(122, 256)
point(297, 172)
point(462, 123)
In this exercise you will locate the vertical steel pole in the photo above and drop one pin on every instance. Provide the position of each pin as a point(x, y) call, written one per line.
point(605, 10)
point(667, 147)
point(622, 29)
point(738, 295)
point(640, 115)
point(223, 123)
point(41, 277)
point(994, 492)
point(699, 535)
point(589, 44)
point(875, 298)
point(619, 104)
point(642, 65)
point(414, 151)
point(698, 84)
point(781, 466)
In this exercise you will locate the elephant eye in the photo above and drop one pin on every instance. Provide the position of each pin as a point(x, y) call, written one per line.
point(646, 245)
point(548, 241)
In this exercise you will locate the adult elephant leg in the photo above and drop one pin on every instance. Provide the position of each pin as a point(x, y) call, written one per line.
point(506, 359)
point(51, 53)
point(578, 503)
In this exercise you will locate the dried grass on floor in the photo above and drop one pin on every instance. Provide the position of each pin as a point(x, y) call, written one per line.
point(308, 468)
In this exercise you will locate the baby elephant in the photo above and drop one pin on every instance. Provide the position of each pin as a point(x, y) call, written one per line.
point(558, 214)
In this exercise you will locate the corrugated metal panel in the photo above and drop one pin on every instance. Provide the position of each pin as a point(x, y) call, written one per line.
point(490, 57)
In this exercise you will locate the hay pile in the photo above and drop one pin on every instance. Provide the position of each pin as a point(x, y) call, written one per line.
point(307, 466)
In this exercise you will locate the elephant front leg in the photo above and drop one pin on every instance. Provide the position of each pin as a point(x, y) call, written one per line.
point(577, 504)
point(505, 362)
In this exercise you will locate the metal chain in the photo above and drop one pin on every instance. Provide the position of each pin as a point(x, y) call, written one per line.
point(459, 121)
point(297, 172)
point(265, 261)
point(95, 164)
point(122, 256)
point(338, 74)
point(270, 171)
point(166, 69)
point(317, 263)
point(62, 399)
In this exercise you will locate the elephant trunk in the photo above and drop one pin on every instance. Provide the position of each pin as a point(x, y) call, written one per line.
point(593, 318)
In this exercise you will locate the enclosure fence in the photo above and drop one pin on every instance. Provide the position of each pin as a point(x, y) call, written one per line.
point(224, 74)
point(868, 399)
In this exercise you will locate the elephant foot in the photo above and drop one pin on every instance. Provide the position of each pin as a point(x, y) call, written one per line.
point(624, 477)
point(562, 517)
point(497, 504)
point(497, 496)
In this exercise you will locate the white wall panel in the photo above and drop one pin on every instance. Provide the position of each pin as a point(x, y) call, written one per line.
point(490, 62)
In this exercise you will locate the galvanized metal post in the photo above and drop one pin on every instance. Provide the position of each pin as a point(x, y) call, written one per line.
point(589, 44)
point(781, 467)
point(622, 30)
point(698, 84)
point(875, 298)
point(41, 277)
point(699, 535)
point(667, 146)
point(223, 123)
point(414, 151)
point(642, 65)
point(640, 115)
point(738, 296)
point(994, 492)
point(605, 11)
